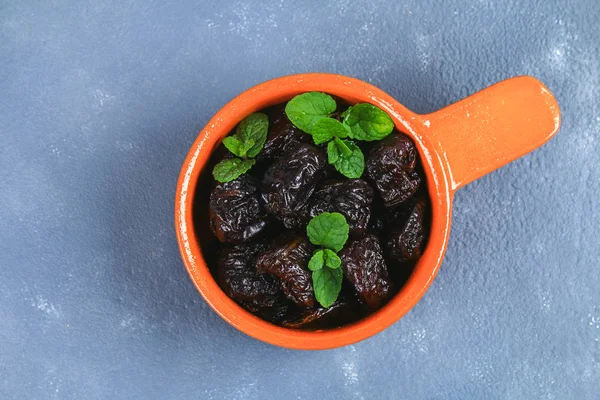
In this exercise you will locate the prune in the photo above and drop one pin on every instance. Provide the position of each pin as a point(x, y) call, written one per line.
point(282, 136)
point(276, 311)
point(235, 210)
point(391, 168)
point(406, 240)
point(238, 277)
point(364, 267)
point(298, 220)
point(287, 258)
point(291, 179)
point(346, 309)
point(351, 197)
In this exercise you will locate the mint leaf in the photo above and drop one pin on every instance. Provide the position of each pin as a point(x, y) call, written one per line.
point(252, 132)
point(233, 144)
point(326, 129)
point(230, 169)
point(324, 258)
point(329, 230)
point(306, 109)
point(346, 157)
point(317, 261)
point(367, 122)
point(327, 284)
point(250, 136)
point(332, 260)
point(333, 153)
point(245, 147)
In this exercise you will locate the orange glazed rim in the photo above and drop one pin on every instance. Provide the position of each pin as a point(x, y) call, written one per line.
point(455, 148)
point(276, 91)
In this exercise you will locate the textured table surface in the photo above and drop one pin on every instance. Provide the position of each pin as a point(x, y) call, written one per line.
point(99, 104)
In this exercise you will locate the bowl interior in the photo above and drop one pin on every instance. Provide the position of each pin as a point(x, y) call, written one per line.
point(191, 207)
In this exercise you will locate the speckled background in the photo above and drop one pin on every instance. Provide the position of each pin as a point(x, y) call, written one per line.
point(99, 104)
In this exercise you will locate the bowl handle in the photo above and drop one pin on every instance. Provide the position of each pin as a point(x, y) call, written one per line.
point(493, 127)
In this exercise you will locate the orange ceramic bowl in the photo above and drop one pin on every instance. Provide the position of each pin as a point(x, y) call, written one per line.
point(457, 145)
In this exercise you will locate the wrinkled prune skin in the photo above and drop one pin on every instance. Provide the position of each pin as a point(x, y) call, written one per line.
point(239, 279)
point(350, 197)
point(346, 309)
point(236, 213)
point(407, 238)
point(390, 167)
point(310, 317)
point(283, 135)
point(365, 268)
point(287, 258)
point(291, 179)
point(298, 220)
point(276, 312)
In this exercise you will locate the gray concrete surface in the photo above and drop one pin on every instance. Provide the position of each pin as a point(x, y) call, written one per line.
point(101, 100)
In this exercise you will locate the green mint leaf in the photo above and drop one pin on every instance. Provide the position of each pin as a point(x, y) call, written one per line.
point(234, 145)
point(332, 260)
point(346, 157)
point(342, 147)
point(333, 153)
point(367, 122)
point(326, 129)
point(324, 257)
point(245, 147)
point(317, 261)
point(329, 230)
point(230, 169)
point(253, 129)
point(306, 109)
point(327, 284)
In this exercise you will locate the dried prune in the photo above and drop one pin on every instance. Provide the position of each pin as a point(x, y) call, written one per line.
point(309, 317)
point(298, 220)
point(238, 277)
point(235, 210)
point(365, 268)
point(406, 240)
point(391, 166)
point(277, 311)
point(282, 136)
point(346, 309)
point(291, 179)
point(352, 198)
point(287, 258)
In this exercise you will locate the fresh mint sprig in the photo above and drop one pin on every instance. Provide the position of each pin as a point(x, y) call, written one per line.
point(249, 138)
point(330, 231)
point(311, 113)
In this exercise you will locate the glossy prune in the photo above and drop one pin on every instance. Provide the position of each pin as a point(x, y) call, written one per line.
point(283, 135)
point(365, 268)
point(298, 220)
point(321, 318)
point(287, 258)
point(238, 277)
point(235, 210)
point(351, 197)
point(406, 240)
point(390, 167)
point(291, 179)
